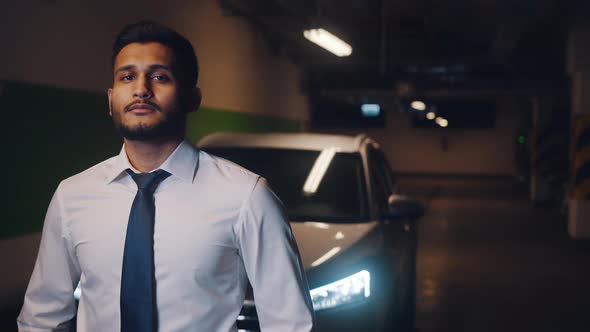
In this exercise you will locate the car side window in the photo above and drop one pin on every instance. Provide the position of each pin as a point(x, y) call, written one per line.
point(389, 174)
point(380, 179)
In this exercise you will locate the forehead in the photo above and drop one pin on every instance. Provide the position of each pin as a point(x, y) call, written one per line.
point(144, 54)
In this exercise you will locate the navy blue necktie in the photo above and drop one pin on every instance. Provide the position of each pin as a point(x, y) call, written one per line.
point(137, 278)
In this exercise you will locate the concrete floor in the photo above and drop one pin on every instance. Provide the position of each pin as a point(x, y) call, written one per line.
point(489, 261)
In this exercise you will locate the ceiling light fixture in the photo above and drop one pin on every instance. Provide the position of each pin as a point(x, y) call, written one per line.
point(328, 41)
point(370, 110)
point(418, 105)
point(441, 122)
point(430, 115)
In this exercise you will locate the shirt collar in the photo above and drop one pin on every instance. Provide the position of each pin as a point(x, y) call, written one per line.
point(182, 163)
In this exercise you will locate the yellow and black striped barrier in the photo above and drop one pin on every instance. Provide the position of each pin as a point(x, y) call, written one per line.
point(581, 160)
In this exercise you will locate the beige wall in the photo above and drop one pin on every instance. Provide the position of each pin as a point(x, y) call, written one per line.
point(67, 43)
point(479, 152)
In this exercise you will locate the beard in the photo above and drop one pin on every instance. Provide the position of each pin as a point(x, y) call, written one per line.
point(171, 126)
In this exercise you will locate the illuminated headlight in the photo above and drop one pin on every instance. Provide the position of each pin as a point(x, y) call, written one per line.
point(354, 288)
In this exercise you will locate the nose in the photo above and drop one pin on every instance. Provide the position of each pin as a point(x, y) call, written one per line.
point(143, 89)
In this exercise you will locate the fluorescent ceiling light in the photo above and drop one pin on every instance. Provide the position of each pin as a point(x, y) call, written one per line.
point(371, 110)
point(328, 41)
point(316, 175)
point(326, 256)
point(418, 105)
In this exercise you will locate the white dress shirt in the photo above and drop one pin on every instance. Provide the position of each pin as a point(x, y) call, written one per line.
point(217, 226)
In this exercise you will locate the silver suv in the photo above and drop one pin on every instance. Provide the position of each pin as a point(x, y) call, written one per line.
point(355, 232)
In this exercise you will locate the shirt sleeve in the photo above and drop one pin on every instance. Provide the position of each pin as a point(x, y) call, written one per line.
point(49, 303)
point(273, 265)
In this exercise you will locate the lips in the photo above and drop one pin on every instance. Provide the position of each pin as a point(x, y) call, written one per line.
point(141, 108)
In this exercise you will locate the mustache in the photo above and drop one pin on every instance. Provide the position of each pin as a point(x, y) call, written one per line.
point(142, 104)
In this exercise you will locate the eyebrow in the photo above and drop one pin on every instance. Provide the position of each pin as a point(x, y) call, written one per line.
point(151, 67)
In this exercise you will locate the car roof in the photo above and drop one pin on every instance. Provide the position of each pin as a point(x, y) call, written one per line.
point(300, 141)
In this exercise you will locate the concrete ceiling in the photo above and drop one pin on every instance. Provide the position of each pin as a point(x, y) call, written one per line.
point(412, 47)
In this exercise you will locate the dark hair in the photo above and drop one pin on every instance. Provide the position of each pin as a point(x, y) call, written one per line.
point(147, 31)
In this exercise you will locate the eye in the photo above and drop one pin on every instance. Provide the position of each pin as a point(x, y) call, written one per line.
point(160, 77)
point(128, 77)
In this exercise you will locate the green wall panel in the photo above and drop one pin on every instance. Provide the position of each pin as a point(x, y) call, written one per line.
point(52, 133)
point(209, 120)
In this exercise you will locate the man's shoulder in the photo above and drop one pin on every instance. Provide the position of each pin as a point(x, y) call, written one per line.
point(223, 171)
point(92, 175)
point(214, 163)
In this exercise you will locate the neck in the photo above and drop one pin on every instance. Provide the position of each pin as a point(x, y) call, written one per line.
point(149, 155)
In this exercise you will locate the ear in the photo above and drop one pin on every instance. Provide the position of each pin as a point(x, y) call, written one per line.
point(196, 99)
point(109, 94)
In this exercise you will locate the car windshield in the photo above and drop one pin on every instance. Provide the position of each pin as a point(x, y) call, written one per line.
point(314, 185)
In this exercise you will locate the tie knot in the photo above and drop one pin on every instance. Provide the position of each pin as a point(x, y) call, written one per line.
point(148, 181)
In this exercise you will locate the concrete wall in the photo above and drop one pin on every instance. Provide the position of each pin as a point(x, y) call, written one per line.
point(475, 152)
point(67, 43)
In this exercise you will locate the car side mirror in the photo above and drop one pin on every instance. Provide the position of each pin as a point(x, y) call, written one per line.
point(403, 207)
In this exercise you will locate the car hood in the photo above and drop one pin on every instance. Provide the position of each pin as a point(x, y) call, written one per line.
point(319, 242)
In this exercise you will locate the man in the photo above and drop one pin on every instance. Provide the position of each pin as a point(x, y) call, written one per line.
point(163, 237)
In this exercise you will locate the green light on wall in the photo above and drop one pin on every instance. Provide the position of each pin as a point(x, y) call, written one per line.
point(521, 139)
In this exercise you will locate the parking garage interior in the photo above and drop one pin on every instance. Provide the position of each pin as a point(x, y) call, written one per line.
point(481, 109)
